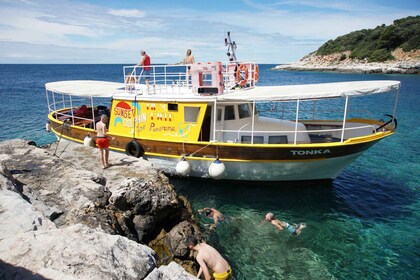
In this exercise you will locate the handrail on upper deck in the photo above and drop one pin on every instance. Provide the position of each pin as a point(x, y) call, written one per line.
point(168, 75)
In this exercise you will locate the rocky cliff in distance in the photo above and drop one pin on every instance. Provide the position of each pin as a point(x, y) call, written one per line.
point(404, 63)
point(64, 217)
point(384, 49)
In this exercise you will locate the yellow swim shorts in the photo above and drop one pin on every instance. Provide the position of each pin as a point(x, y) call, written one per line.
point(224, 275)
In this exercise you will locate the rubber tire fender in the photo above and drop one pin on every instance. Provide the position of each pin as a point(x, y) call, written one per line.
point(134, 149)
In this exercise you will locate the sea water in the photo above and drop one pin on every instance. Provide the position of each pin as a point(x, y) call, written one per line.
point(363, 225)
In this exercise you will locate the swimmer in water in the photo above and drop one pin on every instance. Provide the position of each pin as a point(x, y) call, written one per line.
point(212, 213)
point(280, 225)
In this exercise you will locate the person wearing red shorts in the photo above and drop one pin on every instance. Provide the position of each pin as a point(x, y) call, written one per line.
point(102, 141)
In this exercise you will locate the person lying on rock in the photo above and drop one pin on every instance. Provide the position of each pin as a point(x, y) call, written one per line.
point(214, 214)
point(294, 229)
point(209, 259)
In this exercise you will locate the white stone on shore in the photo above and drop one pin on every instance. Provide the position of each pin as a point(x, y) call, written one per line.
point(18, 216)
point(169, 272)
point(77, 252)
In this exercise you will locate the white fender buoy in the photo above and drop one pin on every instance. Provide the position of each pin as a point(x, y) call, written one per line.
point(88, 141)
point(217, 169)
point(183, 167)
point(48, 127)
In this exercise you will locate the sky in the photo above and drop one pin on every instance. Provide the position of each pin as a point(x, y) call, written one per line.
point(104, 31)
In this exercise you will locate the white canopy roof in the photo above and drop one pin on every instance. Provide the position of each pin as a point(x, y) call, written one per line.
point(86, 88)
point(259, 93)
point(312, 91)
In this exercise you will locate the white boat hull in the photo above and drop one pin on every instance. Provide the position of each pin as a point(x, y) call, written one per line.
point(320, 169)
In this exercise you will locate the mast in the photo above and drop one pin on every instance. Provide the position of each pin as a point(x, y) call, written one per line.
point(231, 48)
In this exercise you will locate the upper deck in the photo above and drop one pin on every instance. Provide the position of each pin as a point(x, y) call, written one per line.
point(211, 81)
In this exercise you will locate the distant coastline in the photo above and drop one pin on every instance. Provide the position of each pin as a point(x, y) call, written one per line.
point(405, 63)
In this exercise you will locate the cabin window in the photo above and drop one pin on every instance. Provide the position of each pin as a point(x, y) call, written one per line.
point(219, 115)
point(243, 110)
point(279, 139)
point(191, 114)
point(257, 139)
point(229, 113)
point(207, 81)
point(172, 107)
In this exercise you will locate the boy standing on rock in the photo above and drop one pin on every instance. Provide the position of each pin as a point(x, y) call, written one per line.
point(102, 140)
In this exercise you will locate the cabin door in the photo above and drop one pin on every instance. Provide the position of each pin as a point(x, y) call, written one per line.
point(205, 128)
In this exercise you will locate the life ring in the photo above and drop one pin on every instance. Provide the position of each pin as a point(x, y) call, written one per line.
point(242, 82)
point(133, 148)
point(256, 70)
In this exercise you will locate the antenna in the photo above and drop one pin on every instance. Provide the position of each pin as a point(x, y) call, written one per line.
point(231, 47)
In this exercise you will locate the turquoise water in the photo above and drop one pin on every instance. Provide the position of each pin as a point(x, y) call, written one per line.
point(363, 225)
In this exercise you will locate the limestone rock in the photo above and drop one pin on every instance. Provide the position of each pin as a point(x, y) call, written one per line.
point(177, 237)
point(50, 190)
point(169, 272)
point(18, 216)
point(7, 182)
point(148, 206)
point(144, 226)
point(77, 252)
point(53, 186)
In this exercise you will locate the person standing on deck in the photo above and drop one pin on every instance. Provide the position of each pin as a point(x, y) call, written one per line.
point(145, 62)
point(102, 140)
point(189, 58)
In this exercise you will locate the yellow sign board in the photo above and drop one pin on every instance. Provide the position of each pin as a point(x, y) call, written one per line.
point(157, 120)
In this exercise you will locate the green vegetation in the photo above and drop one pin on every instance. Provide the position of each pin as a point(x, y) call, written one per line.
point(378, 43)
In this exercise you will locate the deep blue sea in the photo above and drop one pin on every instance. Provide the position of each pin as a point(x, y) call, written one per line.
point(363, 225)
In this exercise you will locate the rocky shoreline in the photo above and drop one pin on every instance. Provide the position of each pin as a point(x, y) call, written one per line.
point(405, 63)
point(63, 217)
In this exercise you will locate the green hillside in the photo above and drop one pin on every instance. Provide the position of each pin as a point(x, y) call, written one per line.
point(378, 43)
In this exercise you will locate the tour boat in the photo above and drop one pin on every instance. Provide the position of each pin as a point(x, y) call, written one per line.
point(211, 120)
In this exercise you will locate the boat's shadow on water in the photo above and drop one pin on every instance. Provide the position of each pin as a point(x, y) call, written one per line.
point(350, 194)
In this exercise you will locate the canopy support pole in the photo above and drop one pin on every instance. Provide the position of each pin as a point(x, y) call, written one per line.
point(214, 120)
point(344, 119)
point(253, 122)
point(395, 106)
point(297, 119)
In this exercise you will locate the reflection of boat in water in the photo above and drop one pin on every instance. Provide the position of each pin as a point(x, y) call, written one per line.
point(211, 120)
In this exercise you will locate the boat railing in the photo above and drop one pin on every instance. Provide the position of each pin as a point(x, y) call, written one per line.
point(328, 133)
point(240, 130)
point(287, 113)
point(168, 78)
point(240, 74)
point(162, 78)
point(64, 108)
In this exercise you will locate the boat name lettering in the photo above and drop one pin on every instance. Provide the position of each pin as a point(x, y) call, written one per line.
point(125, 113)
point(161, 116)
point(153, 128)
point(309, 152)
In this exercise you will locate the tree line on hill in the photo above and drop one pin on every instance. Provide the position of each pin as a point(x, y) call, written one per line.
point(375, 45)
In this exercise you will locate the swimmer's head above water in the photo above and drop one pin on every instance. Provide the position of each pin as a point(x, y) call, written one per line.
point(269, 216)
point(205, 211)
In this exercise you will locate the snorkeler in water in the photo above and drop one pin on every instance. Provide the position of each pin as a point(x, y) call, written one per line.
point(295, 229)
point(214, 214)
